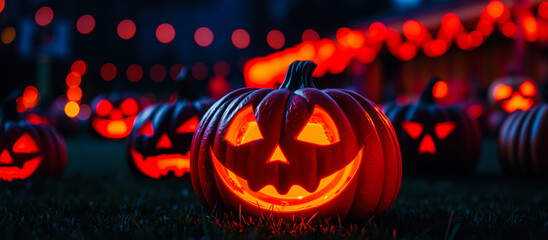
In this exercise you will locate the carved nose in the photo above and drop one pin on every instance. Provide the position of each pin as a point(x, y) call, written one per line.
point(164, 142)
point(518, 102)
point(427, 145)
point(116, 115)
point(5, 158)
point(277, 156)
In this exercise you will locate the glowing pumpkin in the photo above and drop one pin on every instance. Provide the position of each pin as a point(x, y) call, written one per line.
point(27, 149)
point(513, 93)
point(160, 140)
point(113, 114)
point(296, 151)
point(522, 143)
point(435, 139)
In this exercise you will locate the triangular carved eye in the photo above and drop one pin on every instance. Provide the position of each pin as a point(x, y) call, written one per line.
point(146, 129)
point(413, 129)
point(25, 144)
point(443, 129)
point(502, 91)
point(243, 128)
point(527, 89)
point(320, 129)
point(189, 126)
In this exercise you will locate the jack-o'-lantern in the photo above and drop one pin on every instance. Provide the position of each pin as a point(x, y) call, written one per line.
point(296, 151)
point(513, 93)
point(113, 114)
point(522, 143)
point(27, 149)
point(435, 139)
point(160, 140)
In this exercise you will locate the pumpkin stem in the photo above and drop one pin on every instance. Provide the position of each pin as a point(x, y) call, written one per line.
point(185, 82)
point(299, 75)
point(9, 106)
point(427, 95)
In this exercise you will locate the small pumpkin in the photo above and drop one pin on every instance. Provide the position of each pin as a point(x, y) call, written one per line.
point(435, 139)
point(159, 143)
point(522, 143)
point(296, 151)
point(513, 93)
point(113, 114)
point(27, 149)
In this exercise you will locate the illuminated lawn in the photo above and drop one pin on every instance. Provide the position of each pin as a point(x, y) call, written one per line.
point(97, 197)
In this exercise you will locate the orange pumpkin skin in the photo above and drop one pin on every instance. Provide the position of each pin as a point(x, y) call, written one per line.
point(271, 161)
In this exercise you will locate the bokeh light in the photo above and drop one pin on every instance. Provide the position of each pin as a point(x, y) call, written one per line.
point(199, 71)
point(126, 29)
point(72, 109)
point(134, 73)
point(310, 35)
point(165, 33)
point(43, 16)
point(85, 24)
point(157, 73)
point(8, 35)
point(85, 112)
point(203, 36)
point(74, 94)
point(80, 67)
point(175, 70)
point(240, 38)
point(221, 68)
point(73, 79)
point(275, 39)
point(108, 71)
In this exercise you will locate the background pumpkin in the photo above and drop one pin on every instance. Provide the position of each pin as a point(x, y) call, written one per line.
point(27, 149)
point(522, 142)
point(262, 147)
point(113, 114)
point(435, 139)
point(159, 143)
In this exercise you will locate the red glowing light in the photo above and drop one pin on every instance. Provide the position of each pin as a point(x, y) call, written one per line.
point(464, 41)
point(477, 38)
point(407, 51)
point(528, 89)
point(221, 68)
point(275, 39)
point(377, 31)
point(73, 79)
point(164, 142)
point(25, 144)
point(427, 145)
point(165, 33)
point(530, 28)
point(43, 16)
point(475, 111)
point(443, 129)
point(80, 67)
point(440, 89)
point(203, 36)
point(158, 73)
point(412, 29)
point(108, 71)
point(438, 47)
point(85, 24)
point(30, 96)
point(240, 38)
point(310, 35)
point(366, 55)
point(175, 70)
point(129, 107)
point(74, 94)
point(189, 126)
point(450, 22)
point(502, 91)
point(543, 10)
point(147, 129)
point(485, 27)
point(103, 108)
point(126, 29)
point(2, 5)
point(413, 129)
point(36, 119)
point(199, 71)
point(218, 86)
point(495, 9)
point(509, 29)
point(134, 72)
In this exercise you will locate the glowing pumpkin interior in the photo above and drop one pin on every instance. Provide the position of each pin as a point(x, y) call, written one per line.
point(23, 148)
point(511, 100)
point(427, 145)
point(112, 122)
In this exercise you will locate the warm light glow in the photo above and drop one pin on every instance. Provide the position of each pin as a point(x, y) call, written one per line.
point(126, 29)
point(543, 10)
point(189, 126)
point(30, 96)
point(117, 127)
point(8, 173)
point(502, 91)
point(310, 35)
point(160, 165)
point(243, 128)
point(25, 144)
point(85, 24)
point(412, 29)
point(164, 142)
point(366, 55)
point(158, 73)
point(129, 107)
point(413, 129)
point(517, 102)
point(275, 39)
point(407, 51)
point(146, 129)
point(443, 129)
point(320, 129)
point(203, 37)
point(475, 111)
point(165, 33)
point(477, 38)
point(103, 108)
point(240, 38)
point(2, 5)
point(134, 73)
point(8, 35)
point(72, 109)
point(108, 71)
point(5, 157)
point(74, 94)
point(495, 9)
point(73, 79)
point(509, 29)
point(80, 67)
point(277, 156)
point(485, 27)
point(450, 23)
point(530, 28)
point(43, 16)
point(464, 41)
point(377, 31)
point(438, 47)
point(528, 89)
point(440, 89)
point(427, 145)
point(297, 198)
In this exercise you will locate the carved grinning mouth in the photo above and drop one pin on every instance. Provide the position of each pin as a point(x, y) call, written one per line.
point(297, 199)
point(113, 128)
point(160, 165)
point(8, 173)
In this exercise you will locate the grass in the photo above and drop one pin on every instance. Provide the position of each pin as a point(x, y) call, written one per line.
point(97, 197)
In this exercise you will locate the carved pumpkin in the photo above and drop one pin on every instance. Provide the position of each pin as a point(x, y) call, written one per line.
point(27, 149)
point(113, 114)
point(160, 140)
point(435, 139)
point(522, 143)
point(513, 93)
point(296, 151)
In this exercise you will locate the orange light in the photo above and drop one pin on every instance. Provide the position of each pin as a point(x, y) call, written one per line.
point(502, 91)
point(8, 173)
point(73, 79)
point(147, 129)
point(495, 9)
point(443, 129)
point(126, 29)
point(243, 128)
point(427, 145)
point(240, 38)
point(407, 51)
point(164, 142)
point(509, 29)
point(189, 126)
point(160, 165)
point(450, 23)
point(543, 10)
point(341, 35)
point(165, 33)
point(85, 24)
point(412, 29)
point(74, 94)
point(275, 39)
point(80, 67)
point(528, 89)
point(530, 28)
point(8, 35)
point(30, 96)
point(129, 107)
point(103, 108)
point(72, 109)
point(43, 16)
point(517, 102)
point(440, 89)
point(203, 36)
point(108, 71)
point(117, 128)
point(413, 129)
point(277, 156)
point(320, 129)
